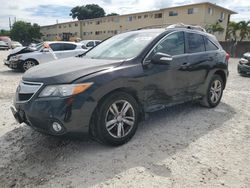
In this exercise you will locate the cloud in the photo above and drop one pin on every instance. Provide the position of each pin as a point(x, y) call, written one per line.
point(50, 11)
point(46, 12)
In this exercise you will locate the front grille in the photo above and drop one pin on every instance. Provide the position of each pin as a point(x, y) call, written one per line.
point(26, 90)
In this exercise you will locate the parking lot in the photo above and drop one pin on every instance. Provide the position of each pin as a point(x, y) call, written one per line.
point(182, 146)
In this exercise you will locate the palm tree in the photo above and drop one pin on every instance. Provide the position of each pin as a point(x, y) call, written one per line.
point(213, 28)
point(237, 31)
point(244, 28)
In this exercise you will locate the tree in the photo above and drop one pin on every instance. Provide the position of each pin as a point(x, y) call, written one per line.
point(87, 12)
point(4, 32)
point(244, 28)
point(112, 14)
point(25, 32)
point(237, 31)
point(214, 28)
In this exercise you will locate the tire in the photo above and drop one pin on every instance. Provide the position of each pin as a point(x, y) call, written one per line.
point(110, 125)
point(27, 64)
point(214, 92)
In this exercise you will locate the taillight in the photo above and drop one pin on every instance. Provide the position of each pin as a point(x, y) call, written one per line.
point(227, 56)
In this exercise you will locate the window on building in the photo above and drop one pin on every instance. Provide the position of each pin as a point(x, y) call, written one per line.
point(116, 20)
point(210, 11)
point(146, 16)
point(139, 17)
point(130, 18)
point(59, 26)
point(195, 43)
point(76, 24)
point(190, 10)
point(222, 15)
point(159, 15)
point(173, 13)
point(69, 25)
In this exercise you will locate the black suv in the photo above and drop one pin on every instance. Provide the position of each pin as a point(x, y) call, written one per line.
point(107, 90)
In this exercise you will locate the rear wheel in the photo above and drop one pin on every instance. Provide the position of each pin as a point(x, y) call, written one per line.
point(116, 119)
point(28, 64)
point(214, 92)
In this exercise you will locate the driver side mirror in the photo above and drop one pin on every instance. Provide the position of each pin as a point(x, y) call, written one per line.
point(45, 50)
point(161, 59)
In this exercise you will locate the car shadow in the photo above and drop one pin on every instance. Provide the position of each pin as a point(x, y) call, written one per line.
point(11, 72)
point(30, 158)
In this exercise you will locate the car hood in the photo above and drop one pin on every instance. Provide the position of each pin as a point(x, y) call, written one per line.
point(67, 70)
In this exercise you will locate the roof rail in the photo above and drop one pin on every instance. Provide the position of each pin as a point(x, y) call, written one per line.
point(181, 25)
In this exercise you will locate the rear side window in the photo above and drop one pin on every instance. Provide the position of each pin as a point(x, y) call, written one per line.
point(69, 46)
point(209, 45)
point(195, 43)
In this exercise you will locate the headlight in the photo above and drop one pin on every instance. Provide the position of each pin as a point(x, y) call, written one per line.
point(64, 90)
point(15, 58)
point(243, 61)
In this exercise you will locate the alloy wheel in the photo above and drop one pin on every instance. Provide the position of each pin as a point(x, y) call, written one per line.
point(28, 64)
point(215, 91)
point(120, 119)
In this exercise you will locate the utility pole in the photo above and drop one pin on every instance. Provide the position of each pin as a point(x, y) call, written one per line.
point(10, 23)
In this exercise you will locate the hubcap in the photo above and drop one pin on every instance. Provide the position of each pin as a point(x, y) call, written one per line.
point(215, 91)
point(28, 64)
point(120, 119)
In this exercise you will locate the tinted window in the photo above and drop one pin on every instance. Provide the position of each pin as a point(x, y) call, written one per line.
point(90, 44)
point(69, 46)
point(97, 42)
point(209, 45)
point(172, 45)
point(56, 46)
point(195, 43)
point(84, 47)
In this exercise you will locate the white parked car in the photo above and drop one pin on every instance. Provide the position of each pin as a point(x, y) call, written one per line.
point(26, 57)
point(15, 44)
point(90, 43)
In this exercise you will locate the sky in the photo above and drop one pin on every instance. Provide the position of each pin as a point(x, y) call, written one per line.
point(46, 12)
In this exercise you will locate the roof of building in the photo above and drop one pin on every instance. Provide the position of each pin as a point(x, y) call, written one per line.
point(167, 8)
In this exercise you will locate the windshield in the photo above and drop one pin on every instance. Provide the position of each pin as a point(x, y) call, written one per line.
point(39, 46)
point(123, 46)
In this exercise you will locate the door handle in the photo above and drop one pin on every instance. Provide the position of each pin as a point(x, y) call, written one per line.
point(185, 65)
point(210, 59)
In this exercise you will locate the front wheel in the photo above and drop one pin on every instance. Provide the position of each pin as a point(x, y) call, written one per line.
point(214, 92)
point(116, 119)
point(28, 64)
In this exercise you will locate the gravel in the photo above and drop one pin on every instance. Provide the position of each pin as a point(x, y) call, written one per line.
point(182, 146)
